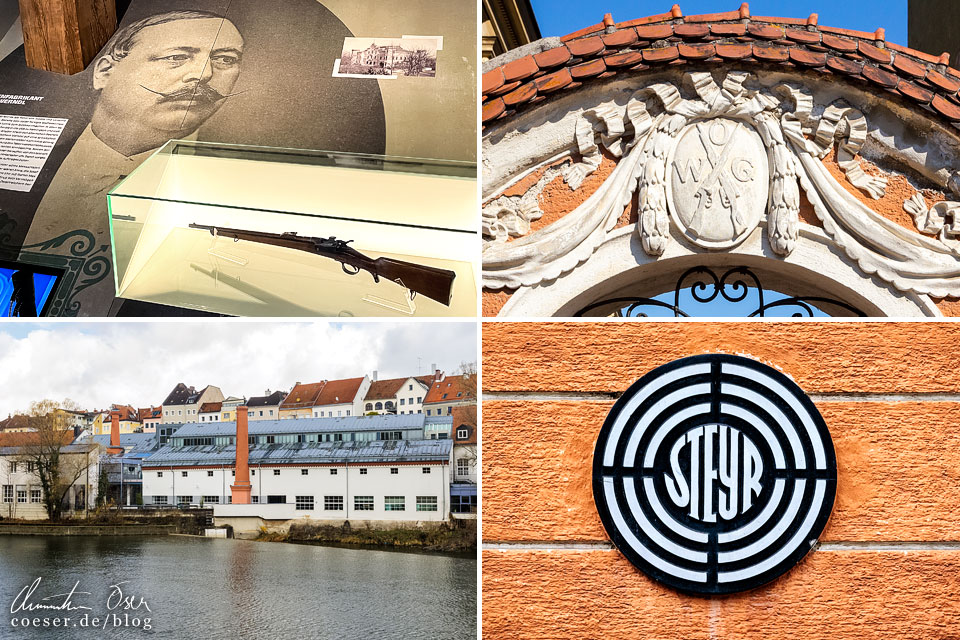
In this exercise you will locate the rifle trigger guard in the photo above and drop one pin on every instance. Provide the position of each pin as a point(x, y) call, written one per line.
point(356, 270)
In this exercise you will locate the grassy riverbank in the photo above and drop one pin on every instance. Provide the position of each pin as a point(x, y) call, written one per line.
point(458, 537)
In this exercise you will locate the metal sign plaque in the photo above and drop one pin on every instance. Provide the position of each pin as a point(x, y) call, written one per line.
point(714, 474)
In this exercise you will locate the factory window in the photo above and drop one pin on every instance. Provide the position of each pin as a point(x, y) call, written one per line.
point(304, 472)
point(211, 499)
point(363, 503)
point(394, 471)
point(182, 500)
point(35, 495)
point(426, 469)
point(463, 504)
point(301, 438)
point(463, 434)
point(338, 437)
point(21, 493)
point(333, 472)
point(463, 466)
point(276, 472)
point(333, 503)
point(393, 503)
point(363, 472)
point(443, 436)
point(159, 474)
point(276, 499)
point(159, 499)
point(426, 503)
point(389, 435)
point(271, 439)
point(304, 503)
point(209, 474)
point(184, 473)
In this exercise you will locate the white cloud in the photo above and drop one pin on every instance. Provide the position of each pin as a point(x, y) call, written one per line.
point(97, 364)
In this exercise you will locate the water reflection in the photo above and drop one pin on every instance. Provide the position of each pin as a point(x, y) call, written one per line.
point(200, 588)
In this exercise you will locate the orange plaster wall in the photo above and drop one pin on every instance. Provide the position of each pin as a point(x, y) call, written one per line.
point(547, 390)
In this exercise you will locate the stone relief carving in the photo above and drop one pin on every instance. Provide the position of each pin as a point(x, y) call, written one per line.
point(714, 164)
point(941, 219)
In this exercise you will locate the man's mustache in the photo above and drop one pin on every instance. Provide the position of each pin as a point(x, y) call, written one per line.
point(201, 94)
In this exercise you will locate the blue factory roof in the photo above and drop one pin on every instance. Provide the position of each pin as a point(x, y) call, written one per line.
point(304, 425)
point(374, 451)
point(134, 443)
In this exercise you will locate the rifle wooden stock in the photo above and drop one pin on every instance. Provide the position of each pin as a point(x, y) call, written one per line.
point(432, 282)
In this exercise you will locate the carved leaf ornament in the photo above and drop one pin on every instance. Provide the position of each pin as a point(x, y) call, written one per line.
point(714, 166)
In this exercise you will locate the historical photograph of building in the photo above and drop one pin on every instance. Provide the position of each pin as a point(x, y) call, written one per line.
point(389, 57)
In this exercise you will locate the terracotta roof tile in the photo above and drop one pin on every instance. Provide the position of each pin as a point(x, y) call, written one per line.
point(806, 37)
point(946, 108)
point(808, 58)
point(734, 51)
point(492, 109)
point(655, 32)
point(492, 79)
point(625, 59)
point(518, 96)
point(909, 67)
point(447, 390)
point(843, 65)
point(840, 44)
point(210, 407)
point(911, 90)
point(384, 389)
point(766, 32)
point(622, 38)
point(880, 77)
point(586, 47)
point(696, 51)
point(728, 29)
point(874, 53)
point(788, 41)
point(691, 30)
point(664, 54)
point(943, 82)
point(552, 57)
point(588, 69)
point(519, 69)
point(771, 54)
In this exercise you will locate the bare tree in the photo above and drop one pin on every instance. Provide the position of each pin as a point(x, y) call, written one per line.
point(48, 455)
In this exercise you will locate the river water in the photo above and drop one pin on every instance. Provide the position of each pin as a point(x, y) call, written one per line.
point(200, 588)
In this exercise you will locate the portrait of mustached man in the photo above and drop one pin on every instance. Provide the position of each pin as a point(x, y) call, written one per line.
point(159, 78)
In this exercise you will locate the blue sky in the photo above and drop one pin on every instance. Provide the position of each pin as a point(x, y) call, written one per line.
point(560, 17)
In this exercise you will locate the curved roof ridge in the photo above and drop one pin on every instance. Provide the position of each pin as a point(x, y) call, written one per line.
point(608, 48)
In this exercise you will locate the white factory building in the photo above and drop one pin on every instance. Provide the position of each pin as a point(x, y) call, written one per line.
point(358, 469)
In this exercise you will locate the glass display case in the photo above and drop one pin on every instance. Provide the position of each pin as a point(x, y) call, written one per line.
point(260, 231)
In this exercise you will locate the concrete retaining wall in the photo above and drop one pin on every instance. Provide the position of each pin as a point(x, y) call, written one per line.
point(87, 530)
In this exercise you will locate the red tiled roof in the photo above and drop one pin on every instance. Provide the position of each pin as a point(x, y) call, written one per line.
point(14, 422)
point(149, 413)
point(208, 407)
point(384, 389)
point(303, 395)
point(607, 49)
point(339, 391)
point(449, 387)
point(127, 412)
point(465, 416)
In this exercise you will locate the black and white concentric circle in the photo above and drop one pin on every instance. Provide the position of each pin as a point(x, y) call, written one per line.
point(714, 474)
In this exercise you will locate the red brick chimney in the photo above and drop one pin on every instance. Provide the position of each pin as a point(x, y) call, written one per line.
point(115, 447)
point(240, 489)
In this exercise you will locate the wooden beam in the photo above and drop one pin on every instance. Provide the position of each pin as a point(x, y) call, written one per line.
point(65, 35)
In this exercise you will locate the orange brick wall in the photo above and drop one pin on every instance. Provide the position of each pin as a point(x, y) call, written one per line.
point(889, 564)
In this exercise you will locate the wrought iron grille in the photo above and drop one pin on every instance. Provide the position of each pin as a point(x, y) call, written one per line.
point(734, 286)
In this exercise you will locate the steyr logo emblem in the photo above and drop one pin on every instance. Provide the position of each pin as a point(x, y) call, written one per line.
point(717, 187)
point(714, 474)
